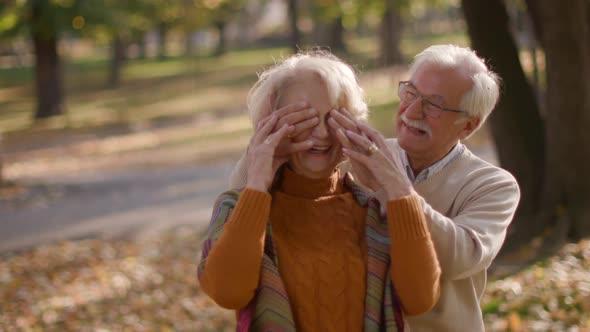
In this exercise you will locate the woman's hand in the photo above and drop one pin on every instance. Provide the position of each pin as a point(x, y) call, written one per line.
point(301, 117)
point(262, 160)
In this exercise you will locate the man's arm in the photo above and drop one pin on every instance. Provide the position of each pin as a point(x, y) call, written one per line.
point(470, 241)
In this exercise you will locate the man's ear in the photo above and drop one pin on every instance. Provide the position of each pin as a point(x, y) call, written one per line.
point(468, 127)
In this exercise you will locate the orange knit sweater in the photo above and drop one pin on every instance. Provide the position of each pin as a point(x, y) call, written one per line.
point(318, 231)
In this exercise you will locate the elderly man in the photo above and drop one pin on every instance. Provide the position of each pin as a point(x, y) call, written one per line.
point(468, 202)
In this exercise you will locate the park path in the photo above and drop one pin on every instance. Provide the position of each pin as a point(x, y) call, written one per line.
point(112, 203)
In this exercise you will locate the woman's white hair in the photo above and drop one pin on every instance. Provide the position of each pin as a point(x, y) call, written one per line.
point(339, 78)
point(481, 99)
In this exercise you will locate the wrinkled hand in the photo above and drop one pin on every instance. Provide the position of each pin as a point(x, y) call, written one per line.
point(262, 160)
point(385, 167)
point(340, 121)
point(301, 117)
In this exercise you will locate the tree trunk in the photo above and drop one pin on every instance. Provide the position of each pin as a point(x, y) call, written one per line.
point(293, 18)
point(162, 34)
point(188, 43)
point(117, 60)
point(533, 10)
point(566, 32)
point(220, 50)
point(336, 35)
point(330, 34)
point(391, 30)
point(141, 42)
point(516, 124)
point(48, 77)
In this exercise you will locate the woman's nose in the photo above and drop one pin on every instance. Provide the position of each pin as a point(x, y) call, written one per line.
point(321, 130)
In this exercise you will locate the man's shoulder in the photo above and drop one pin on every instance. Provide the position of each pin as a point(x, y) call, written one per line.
point(476, 166)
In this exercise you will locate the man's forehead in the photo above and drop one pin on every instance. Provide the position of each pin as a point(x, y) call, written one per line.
point(430, 95)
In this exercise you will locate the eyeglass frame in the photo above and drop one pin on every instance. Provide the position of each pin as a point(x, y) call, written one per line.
point(424, 99)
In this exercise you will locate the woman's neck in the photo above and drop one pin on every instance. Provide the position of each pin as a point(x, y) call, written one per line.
point(298, 185)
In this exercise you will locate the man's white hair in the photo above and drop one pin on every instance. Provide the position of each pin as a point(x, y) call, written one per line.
point(481, 99)
point(339, 78)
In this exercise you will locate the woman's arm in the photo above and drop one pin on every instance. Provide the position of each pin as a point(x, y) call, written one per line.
point(230, 270)
point(415, 269)
point(239, 175)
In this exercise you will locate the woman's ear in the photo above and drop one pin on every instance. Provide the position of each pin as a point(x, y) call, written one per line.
point(267, 108)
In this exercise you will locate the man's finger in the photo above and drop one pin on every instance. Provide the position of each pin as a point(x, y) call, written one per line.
point(374, 136)
point(361, 158)
point(341, 136)
point(343, 121)
point(361, 141)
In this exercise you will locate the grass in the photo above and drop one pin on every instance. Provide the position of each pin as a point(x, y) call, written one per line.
point(150, 89)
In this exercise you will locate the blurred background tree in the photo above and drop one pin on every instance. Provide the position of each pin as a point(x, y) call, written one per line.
point(547, 151)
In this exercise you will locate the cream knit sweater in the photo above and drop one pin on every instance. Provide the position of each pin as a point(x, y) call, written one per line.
point(469, 205)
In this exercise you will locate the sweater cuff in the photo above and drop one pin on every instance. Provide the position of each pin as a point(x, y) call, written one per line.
point(251, 213)
point(406, 218)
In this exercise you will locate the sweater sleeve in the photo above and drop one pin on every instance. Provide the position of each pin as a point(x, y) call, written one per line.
point(232, 267)
point(239, 175)
point(415, 269)
point(468, 242)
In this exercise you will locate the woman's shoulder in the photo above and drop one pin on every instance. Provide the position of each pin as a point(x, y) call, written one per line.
point(228, 197)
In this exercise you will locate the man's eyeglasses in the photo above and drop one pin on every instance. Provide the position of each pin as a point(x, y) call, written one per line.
point(431, 105)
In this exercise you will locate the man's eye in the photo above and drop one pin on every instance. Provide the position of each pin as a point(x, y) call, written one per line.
point(432, 106)
point(410, 95)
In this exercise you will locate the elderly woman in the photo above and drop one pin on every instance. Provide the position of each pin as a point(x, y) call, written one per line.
point(302, 246)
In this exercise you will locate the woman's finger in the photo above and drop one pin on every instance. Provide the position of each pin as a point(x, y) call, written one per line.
point(298, 147)
point(273, 139)
point(305, 125)
point(296, 117)
point(291, 108)
point(262, 133)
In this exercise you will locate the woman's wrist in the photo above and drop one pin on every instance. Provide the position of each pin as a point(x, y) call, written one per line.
point(256, 185)
point(399, 192)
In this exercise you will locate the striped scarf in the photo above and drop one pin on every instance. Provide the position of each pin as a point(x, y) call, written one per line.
point(270, 310)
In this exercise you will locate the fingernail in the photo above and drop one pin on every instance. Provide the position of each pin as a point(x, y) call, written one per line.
point(312, 111)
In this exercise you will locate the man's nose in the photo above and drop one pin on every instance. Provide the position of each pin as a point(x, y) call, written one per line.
point(414, 109)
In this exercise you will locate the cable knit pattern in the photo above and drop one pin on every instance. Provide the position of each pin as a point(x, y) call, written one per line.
point(319, 236)
point(241, 268)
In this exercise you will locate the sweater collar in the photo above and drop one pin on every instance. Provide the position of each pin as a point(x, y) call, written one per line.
point(298, 185)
